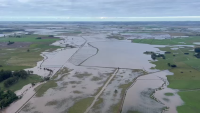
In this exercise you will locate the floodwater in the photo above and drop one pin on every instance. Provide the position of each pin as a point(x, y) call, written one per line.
point(67, 87)
point(121, 54)
point(27, 94)
point(91, 62)
point(110, 98)
point(145, 36)
point(83, 54)
point(174, 48)
point(54, 61)
point(138, 97)
point(196, 43)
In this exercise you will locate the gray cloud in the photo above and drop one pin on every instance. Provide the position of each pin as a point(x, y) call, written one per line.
point(93, 8)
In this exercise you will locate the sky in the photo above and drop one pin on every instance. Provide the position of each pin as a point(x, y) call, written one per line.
point(99, 10)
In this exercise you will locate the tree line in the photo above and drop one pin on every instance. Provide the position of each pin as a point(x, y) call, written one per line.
point(6, 98)
point(154, 55)
point(9, 78)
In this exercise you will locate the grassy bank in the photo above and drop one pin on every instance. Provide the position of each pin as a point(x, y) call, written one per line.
point(17, 57)
point(173, 41)
point(23, 53)
point(186, 74)
point(22, 82)
point(44, 87)
point(191, 99)
point(81, 105)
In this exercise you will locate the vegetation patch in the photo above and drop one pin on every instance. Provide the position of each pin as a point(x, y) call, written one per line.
point(191, 102)
point(16, 80)
point(61, 103)
point(44, 87)
point(124, 87)
point(133, 111)
point(115, 108)
point(81, 105)
point(118, 37)
point(186, 70)
point(166, 99)
point(77, 92)
point(74, 82)
point(51, 103)
point(94, 78)
point(97, 103)
point(172, 41)
point(27, 52)
point(6, 98)
point(64, 70)
point(28, 108)
point(169, 94)
point(82, 75)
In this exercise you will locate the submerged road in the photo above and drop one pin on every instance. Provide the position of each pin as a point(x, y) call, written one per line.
point(100, 92)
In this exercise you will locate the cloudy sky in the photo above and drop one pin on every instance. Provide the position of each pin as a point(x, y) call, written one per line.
point(99, 10)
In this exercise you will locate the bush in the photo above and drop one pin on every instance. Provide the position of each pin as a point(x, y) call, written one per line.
point(38, 38)
point(167, 52)
point(9, 43)
point(153, 56)
point(5, 75)
point(10, 81)
point(197, 49)
point(6, 98)
point(173, 65)
point(51, 36)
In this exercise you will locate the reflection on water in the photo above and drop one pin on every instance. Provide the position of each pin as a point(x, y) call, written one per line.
point(121, 54)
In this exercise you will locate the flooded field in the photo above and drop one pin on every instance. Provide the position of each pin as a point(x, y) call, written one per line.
point(102, 68)
point(121, 54)
point(148, 95)
point(77, 84)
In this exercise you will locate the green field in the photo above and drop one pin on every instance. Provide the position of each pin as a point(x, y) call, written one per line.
point(192, 100)
point(174, 41)
point(27, 38)
point(187, 73)
point(19, 58)
point(81, 105)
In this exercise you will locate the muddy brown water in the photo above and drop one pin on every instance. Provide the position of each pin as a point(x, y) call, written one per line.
point(121, 54)
point(138, 96)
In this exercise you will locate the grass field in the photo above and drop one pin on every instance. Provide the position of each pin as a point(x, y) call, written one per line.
point(27, 38)
point(187, 73)
point(169, 94)
point(174, 41)
point(22, 82)
point(81, 105)
point(192, 100)
point(19, 58)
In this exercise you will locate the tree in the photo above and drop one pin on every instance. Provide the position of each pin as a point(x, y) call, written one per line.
point(153, 56)
point(173, 65)
point(197, 49)
point(6, 98)
point(10, 81)
point(5, 75)
point(169, 64)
